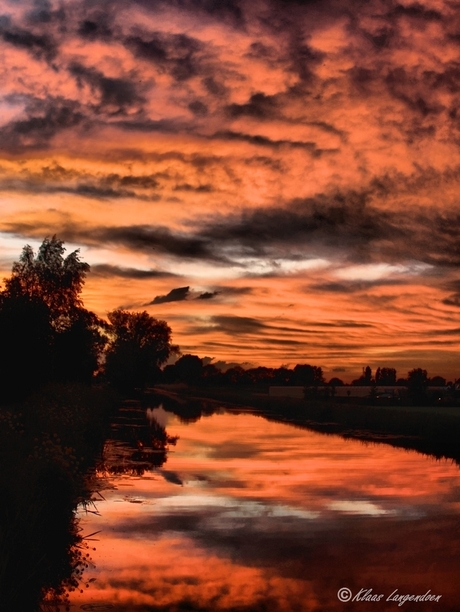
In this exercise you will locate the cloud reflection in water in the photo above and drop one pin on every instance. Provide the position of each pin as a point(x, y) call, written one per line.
point(282, 527)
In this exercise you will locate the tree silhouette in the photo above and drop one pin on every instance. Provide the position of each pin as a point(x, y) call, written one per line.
point(139, 345)
point(189, 369)
point(307, 375)
point(51, 278)
point(45, 332)
point(365, 379)
point(385, 376)
point(26, 340)
point(78, 348)
point(417, 383)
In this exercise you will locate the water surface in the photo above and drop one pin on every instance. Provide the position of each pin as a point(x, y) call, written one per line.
point(251, 515)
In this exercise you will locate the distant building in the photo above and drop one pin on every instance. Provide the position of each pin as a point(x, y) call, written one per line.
point(366, 391)
point(340, 391)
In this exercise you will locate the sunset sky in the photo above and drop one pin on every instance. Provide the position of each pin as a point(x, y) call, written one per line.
point(277, 179)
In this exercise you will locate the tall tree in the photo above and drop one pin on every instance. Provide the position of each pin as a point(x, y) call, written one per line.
point(139, 345)
point(385, 376)
point(308, 375)
point(417, 383)
point(189, 369)
point(365, 379)
point(51, 278)
point(45, 332)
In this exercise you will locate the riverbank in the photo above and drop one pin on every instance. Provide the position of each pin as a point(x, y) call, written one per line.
point(49, 443)
point(431, 430)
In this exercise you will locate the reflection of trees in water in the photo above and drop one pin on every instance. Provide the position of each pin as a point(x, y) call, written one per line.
point(188, 410)
point(137, 444)
point(43, 551)
point(426, 432)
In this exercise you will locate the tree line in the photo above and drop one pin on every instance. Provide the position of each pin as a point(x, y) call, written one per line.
point(48, 335)
point(191, 369)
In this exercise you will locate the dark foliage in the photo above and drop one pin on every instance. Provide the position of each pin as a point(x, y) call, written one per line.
point(51, 278)
point(365, 379)
point(307, 375)
point(139, 345)
point(189, 368)
point(385, 376)
point(417, 383)
point(45, 332)
point(26, 337)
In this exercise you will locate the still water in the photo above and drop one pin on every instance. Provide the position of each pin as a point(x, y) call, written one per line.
point(248, 514)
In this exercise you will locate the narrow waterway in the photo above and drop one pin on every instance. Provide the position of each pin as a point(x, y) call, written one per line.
point(246, 514)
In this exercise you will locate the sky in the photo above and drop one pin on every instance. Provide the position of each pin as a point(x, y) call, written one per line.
point(276, 179)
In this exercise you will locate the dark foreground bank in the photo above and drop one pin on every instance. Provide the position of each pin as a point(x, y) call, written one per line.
point(49, 446)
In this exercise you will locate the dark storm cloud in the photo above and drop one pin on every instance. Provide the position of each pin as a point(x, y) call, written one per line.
point(224, 291)
point(107, 270)
point(231, 11)
point(198, 108)
point(175, 295)
point(352, 286)
point(42, 12)
point(56, 179)
point(345, 221)
point(208, 295)
point(452, 300)
point(119, 94)
point(140, 238)
point(231, 324)
point(87, 190)
point(235, 290)
point(442, 332)
point(176, 54)
point(98, 192)
point(148, 181)
point(415, 11)
point(44, 119)
point(347, 224)
point(197, 188)
point(259, 106)
point(340, 324)
point(172, 477)
point(145, 238)
point(40, 46)
point(303, 60)
point(214, 86)
point(96, 27)
point(168, 126)
point(263, 141)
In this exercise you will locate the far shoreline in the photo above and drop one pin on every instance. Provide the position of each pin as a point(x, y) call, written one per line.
point(431, 430)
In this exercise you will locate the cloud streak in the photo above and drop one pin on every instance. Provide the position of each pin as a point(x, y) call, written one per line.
point(307, 150)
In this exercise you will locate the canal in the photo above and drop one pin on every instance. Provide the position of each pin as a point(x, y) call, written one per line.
point(244, 514)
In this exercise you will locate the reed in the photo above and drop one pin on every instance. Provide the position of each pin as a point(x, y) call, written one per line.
point(49, 445)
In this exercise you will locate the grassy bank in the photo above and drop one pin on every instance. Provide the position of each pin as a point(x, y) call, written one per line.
point(431, 430)
point(48, 444)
